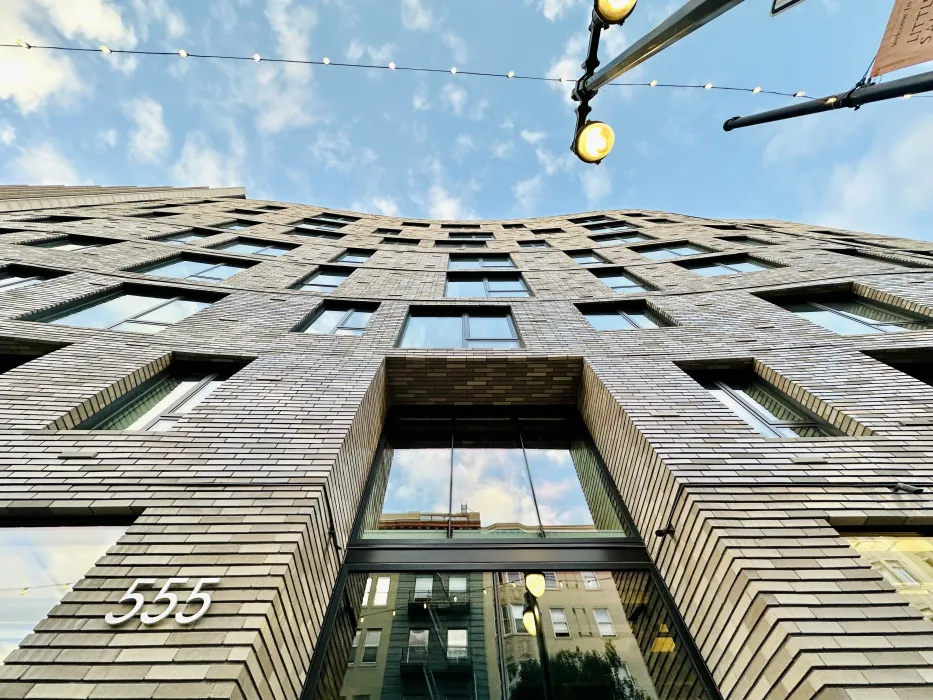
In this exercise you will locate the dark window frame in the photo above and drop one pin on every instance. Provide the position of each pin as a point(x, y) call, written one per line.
point(907, 318)
point(496, 256)
point(604, 272)
point(700, 250)
point(534, 244)
point(470, 236)
point(28, 276)
point(460, 243)
point(322, 233)
point(485, 278)
point(199, 235)
point(624, 311)
point(464, 313)
point(153, 268)
point(354, 251)
point(323, 270)
point(401, 240)
point(574, 254)
point(73, 239)
point(288, 247)
point(349, 308)
point(617, 238)
point(725, 262)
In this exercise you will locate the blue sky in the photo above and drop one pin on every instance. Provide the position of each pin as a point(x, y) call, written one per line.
point(444, 146)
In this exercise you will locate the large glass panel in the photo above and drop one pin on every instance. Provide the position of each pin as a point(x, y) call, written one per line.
point(433, 332)
point(110, 312)
point(621, 283)
point(490, 327)
point(465, 288)
point(40, 565)
point(838, 323)
point(327, 321)
point(905, 561)
point(748, 266)
point(659, 254)
point(609, 321)
point(150, 403)
point(181, 268)
point(174, 312)
point(613, 642)
point(878, 315)
point(8, 282)
point(713, 270)
point(246, 248)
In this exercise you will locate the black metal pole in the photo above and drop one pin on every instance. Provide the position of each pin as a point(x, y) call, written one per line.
point(546, 691)
point(854, 98)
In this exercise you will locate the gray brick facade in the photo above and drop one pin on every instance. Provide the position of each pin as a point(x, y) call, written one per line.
point(261, 483)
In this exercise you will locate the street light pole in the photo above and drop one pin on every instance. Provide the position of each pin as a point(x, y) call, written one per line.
point(693, 15)
point(532, 601)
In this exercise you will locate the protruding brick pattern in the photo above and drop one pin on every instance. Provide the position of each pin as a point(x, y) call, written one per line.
point(260, 484)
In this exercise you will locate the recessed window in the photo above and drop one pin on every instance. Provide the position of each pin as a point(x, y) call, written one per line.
point(342, 319)
point(513, 226)
point(592, 219)
point(905, 560)
point(544, 231)
point(723, 227)
point(533, 245)
point(58, 219)
point(417, 224)
point(590, 580)
point(559, 622)
point(763, 407)
point(138, 312)
point(417, 650)
point(918, 364)
point(237, 225)
point(272, 207)
point(460, 243)
point(162, 401)
point(40, 564)
point(388, 231)
point(326, 280)
point(479, 262)
point(604, 622)
point(880, 257)
point(250, 246)
point(321, 233)
point(479, 328)
point(381, 597)
point(457, 584)
point(610, 226)
point(371, 646)
point(186, 237)
point(73, 243)
point(857, 316)
point(354, 255)
point(338, 218)
point(16, 277)
point(620, 282)
point(586, 257)
point(401, 241)
point(470, 235)
point(667, 252)
point(612, 317)
point(619, 238)
point(197, 269)
point(457, 648)
point(247, 212)
point(499, 285)
point(745, 240)
point(728, 266)
point(464, 226)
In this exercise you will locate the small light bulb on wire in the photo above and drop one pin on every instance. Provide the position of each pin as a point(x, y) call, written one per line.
point(510, 74)
point(708, 86)
point(800, 93)
point(391, 65)
point(908, 96)
point(182, 53)
point(257, 57)
point(653, 83)
point(326, 61)
point(23, 44)
point(105, 49)
point(757, 90)
point(453, 71)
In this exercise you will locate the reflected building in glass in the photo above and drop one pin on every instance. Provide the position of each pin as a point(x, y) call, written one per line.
point(254, 450)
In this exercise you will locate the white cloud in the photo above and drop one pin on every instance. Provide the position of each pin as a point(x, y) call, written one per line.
point(378, 55)
point(502, 149)
point(43, 165)
point(416, 16)
point(7, 134)
point(551, 164)
point(420, 102)
point(596, 183)
point(150, 139)
point(554, 9)
point(335, 151)
point(159, 11)
point(443, 205)
point(567, 65)
point(888, 189)
point(386, 206)
point(532, 136)
point(201, 164)
point(457, 46)
point(465, 142)
point(528, 192)
point(454, 97)
point(355, 50)
point(107, 138)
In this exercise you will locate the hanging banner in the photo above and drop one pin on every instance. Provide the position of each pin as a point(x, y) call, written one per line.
point(908, 38)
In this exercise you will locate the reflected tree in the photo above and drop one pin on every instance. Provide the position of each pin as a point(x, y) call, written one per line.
point(576, 675)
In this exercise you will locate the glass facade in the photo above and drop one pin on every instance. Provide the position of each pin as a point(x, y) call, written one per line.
point(732, 267)
point(490, 477)
point(41, 564)
point(672, 251)
point(857, 317)
point(905, 561)
point(430, 640)
point(619, 238)
point(466, 285)
point(138, 313)
point(326, 280)
point(248, 247)
point(200, 270)
point(186, 237)
point(345, 320)
point(620, 282)
point(620, 319)
point(475, 262)
point(479, 328)
point(13, 280)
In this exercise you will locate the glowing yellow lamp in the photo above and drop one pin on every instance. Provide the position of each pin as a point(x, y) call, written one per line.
point(614, 11)
point(535, 583)
point(594, 141)
point(528, 619)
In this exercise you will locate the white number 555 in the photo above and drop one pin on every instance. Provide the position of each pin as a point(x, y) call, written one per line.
point(168, 597)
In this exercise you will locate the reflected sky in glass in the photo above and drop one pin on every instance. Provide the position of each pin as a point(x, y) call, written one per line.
point(110, 312)
point(419, 481)
point(557, 487)
point(494, 483)
point(433, 332)
point(43, 562)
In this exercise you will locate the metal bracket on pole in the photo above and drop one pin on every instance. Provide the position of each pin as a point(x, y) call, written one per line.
point(581, 93)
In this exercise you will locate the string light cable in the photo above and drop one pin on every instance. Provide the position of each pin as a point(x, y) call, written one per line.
point(392, 66)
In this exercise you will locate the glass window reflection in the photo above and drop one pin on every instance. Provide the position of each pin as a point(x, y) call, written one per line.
point(480, 478)
point(130, 312)
point(40, 566)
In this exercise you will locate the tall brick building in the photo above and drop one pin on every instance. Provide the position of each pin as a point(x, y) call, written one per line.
point(260, 450)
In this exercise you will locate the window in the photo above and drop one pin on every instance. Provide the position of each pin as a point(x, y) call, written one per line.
point(764, 408)
point(40, 565)
point(592, 219)
point(197, 269)
point(457, 648)
point(728, 266)
point(480, 236)
point(161, 402)
point(457, 584)
point(460, 243)
point(513, 226)
point(369, 585)
point(236, 225)
point(905, 560)
point(326, 280)
point(671, 251)
point(559, 622)
point(16, 277)
point(480, 328)
point(512, 619)
point(371, 646)
point(139, 312)
point(186, 237)
point(590, 581)
point(493, 467)
point(417, 650)
point(355, 256)
point(605, 317)
point(544, 231)
point(745, 240)
point(73, 243)
point(474, 262)
point(418, 224)
point(355, 644)
point(388, 231)
point(879, 256)
point(586, 257)
point(604, 622)
point(550, 581)
point(610, 226)
point(619, 238)
point(381, 598)
point(338, 218)
point(856, 317)
point(424, 587)
point(317, 233)
point(256, 247)
point(464, 226)
point(341, 320)
point(533, 244)
point(500, 285)
point(401, 241)
point(516, 577)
